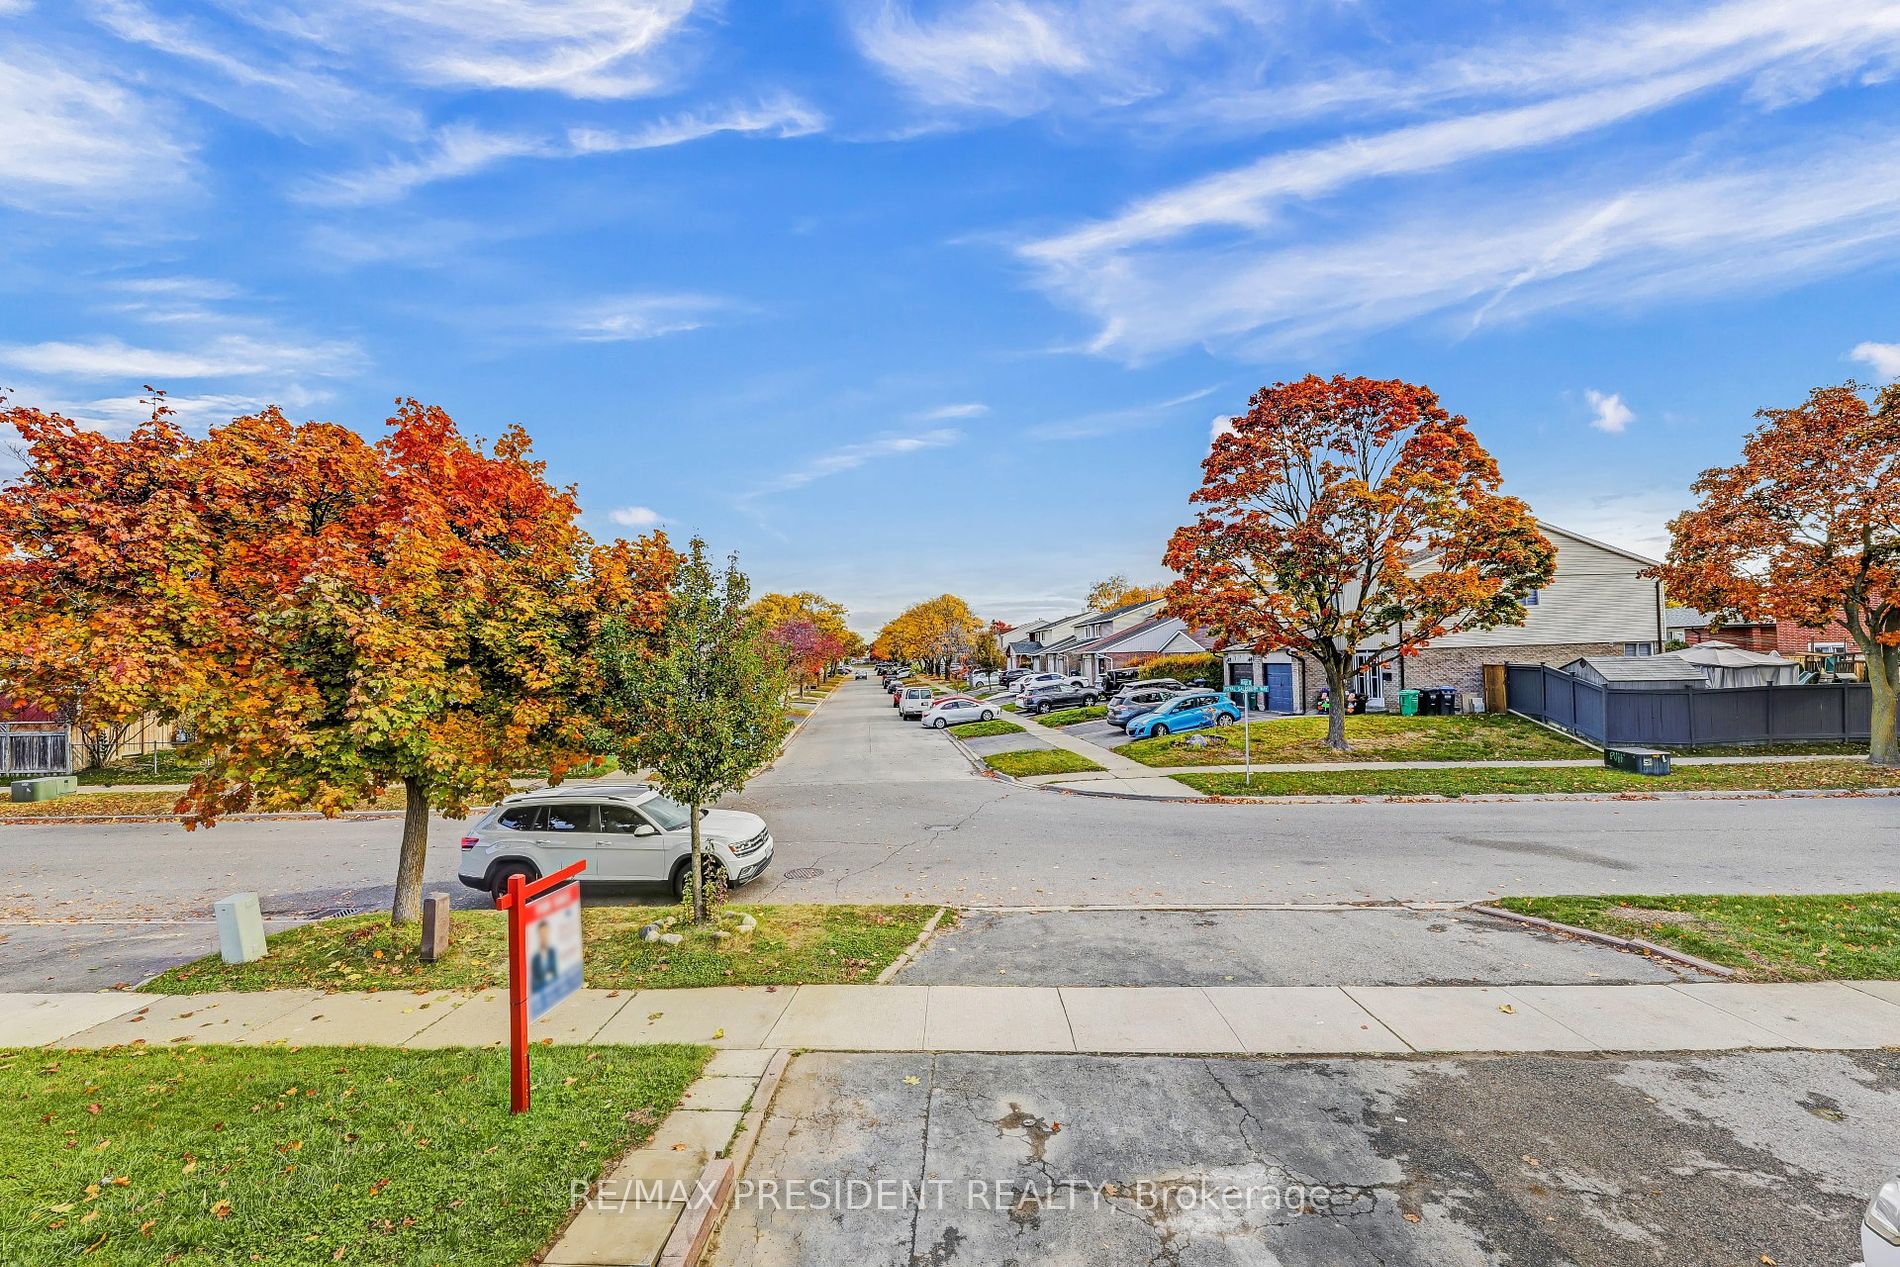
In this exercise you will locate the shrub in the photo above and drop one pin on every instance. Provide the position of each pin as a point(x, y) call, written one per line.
point(1183, 668)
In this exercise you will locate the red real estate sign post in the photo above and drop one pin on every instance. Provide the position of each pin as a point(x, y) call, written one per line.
point(541, 977)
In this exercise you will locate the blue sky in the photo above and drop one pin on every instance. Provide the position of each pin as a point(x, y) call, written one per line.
point(903, 298)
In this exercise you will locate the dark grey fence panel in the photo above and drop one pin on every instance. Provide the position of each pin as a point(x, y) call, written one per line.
point(1680, 717)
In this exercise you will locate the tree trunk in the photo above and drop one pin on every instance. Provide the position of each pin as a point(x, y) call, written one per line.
point(406, 908)
point(1883, 675)
point(1336, 705)
point(699, 871)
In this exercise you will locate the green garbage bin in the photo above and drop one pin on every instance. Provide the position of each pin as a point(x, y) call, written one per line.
point(1408, 703)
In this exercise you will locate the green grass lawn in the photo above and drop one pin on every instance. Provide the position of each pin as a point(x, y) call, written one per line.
point(1480, 780)
point(1012, 708)
point(983, 729)
point(131, 804)
point(1074, 716)
point(1040, 761)
point(315, 1155)
point(1373, 737)
point(1850, 936)
point(792, 945)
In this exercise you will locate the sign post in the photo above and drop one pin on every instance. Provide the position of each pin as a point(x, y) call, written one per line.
point(544, 960)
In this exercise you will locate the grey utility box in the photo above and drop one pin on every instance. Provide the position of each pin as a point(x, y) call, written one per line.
point(49, 788)
point(1637, 760)
point(240, 928)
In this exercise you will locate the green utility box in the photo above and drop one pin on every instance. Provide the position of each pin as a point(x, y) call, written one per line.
point(1637, 760)
point(1408, 703)
point(50, 788)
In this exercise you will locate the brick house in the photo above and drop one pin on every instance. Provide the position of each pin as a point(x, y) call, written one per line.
point(1783, 636)
point(1597, 604)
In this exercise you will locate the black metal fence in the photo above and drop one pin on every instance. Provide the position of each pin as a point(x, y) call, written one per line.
point(29, 748)
point(1688, 716)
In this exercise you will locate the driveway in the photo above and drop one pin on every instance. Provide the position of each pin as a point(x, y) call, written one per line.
point(1741, 1158)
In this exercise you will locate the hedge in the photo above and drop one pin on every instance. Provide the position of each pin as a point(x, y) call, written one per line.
point(1183, 668)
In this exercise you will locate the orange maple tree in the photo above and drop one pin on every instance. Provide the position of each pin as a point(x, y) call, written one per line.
point(326, 616)
point(1806, 528)
point(1352, 517)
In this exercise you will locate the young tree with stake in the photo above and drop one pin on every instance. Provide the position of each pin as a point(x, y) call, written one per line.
point(1349, 515)
point(701, 702)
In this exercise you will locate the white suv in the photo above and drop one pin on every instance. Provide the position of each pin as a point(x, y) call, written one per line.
point(627, 833)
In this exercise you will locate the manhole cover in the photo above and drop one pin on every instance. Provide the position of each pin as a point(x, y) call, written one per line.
point(804, 873)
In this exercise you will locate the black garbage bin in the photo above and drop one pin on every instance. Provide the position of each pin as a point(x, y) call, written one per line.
point(1447, 701)
point(1428, 702)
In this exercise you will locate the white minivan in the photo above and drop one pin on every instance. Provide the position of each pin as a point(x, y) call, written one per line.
point(628, 834)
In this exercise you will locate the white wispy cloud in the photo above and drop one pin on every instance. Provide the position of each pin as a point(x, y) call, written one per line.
point(631, 318)
point(1196, 248)
point(222, 356)
point(1113, 421)
point(968, 409)
point(1882, 358)
point(70, 134)
point(1813, 210)
point(460, 150)
point(1608, 412)
point(601, 49)
point(636, 516)
point(852, 456)
point(1013, 57)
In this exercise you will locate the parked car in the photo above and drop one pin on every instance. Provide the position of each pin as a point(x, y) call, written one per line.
point(1136, 700)
point(1163, 683)
point(895, 687)
point(955, 710)
point(1189, 710)
point(1054, 695)
point(915, 701)
point(1012, 676)
point(627, 834)
point(1880, 1228)
point(861, 675)
point(1037, 680)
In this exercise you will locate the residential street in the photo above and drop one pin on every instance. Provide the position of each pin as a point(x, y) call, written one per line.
point(867, 808)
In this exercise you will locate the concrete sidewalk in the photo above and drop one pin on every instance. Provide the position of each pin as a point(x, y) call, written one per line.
point(1332, 1020)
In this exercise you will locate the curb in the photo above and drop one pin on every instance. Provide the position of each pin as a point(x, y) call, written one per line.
point(902, 961)
point(694, 1231)
point(1636, 944)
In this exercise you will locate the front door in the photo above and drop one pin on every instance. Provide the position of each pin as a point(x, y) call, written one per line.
point(1280, 687)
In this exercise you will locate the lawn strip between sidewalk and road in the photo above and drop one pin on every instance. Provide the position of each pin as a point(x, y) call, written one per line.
point(792, 945)
point(1371, 736)
point(313, 1155)
point(1074, 716)
point(1779, 937)
point(146, 804)
point(1833, 776)
point(985, 729)
point(1033, 761)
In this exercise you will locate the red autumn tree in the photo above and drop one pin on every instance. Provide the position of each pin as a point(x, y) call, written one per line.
point(1351, 516)
point(328, 617)
point(807, 649)
point(1806, 528)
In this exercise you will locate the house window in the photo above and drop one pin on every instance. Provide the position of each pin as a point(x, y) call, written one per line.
point(1639, 648)
point(1530, 599)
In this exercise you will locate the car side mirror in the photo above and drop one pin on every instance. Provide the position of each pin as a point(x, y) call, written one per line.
point(646, 829)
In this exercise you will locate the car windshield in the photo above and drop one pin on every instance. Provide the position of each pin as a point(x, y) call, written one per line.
point(668, 813)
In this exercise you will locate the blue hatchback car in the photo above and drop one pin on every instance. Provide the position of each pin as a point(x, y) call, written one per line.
point(1190, 710)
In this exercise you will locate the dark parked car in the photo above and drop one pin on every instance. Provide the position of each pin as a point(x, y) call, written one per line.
point(1046, 699)
point(1011, 676)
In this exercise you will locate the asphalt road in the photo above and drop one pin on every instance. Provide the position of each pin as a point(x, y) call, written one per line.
point(1743, 1158)
point(865, 807)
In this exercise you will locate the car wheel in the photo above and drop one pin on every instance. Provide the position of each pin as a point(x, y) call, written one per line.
point(1157, 732)
point(986, 715)
point(714, 876)
point(940, 723)
point(1088, 701)
point(498, 879)
point(1222, 719)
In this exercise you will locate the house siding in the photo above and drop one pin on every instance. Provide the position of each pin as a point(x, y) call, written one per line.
point(1596, 597)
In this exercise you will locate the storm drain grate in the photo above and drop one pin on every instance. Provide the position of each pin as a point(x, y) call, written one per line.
point(804, 873)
